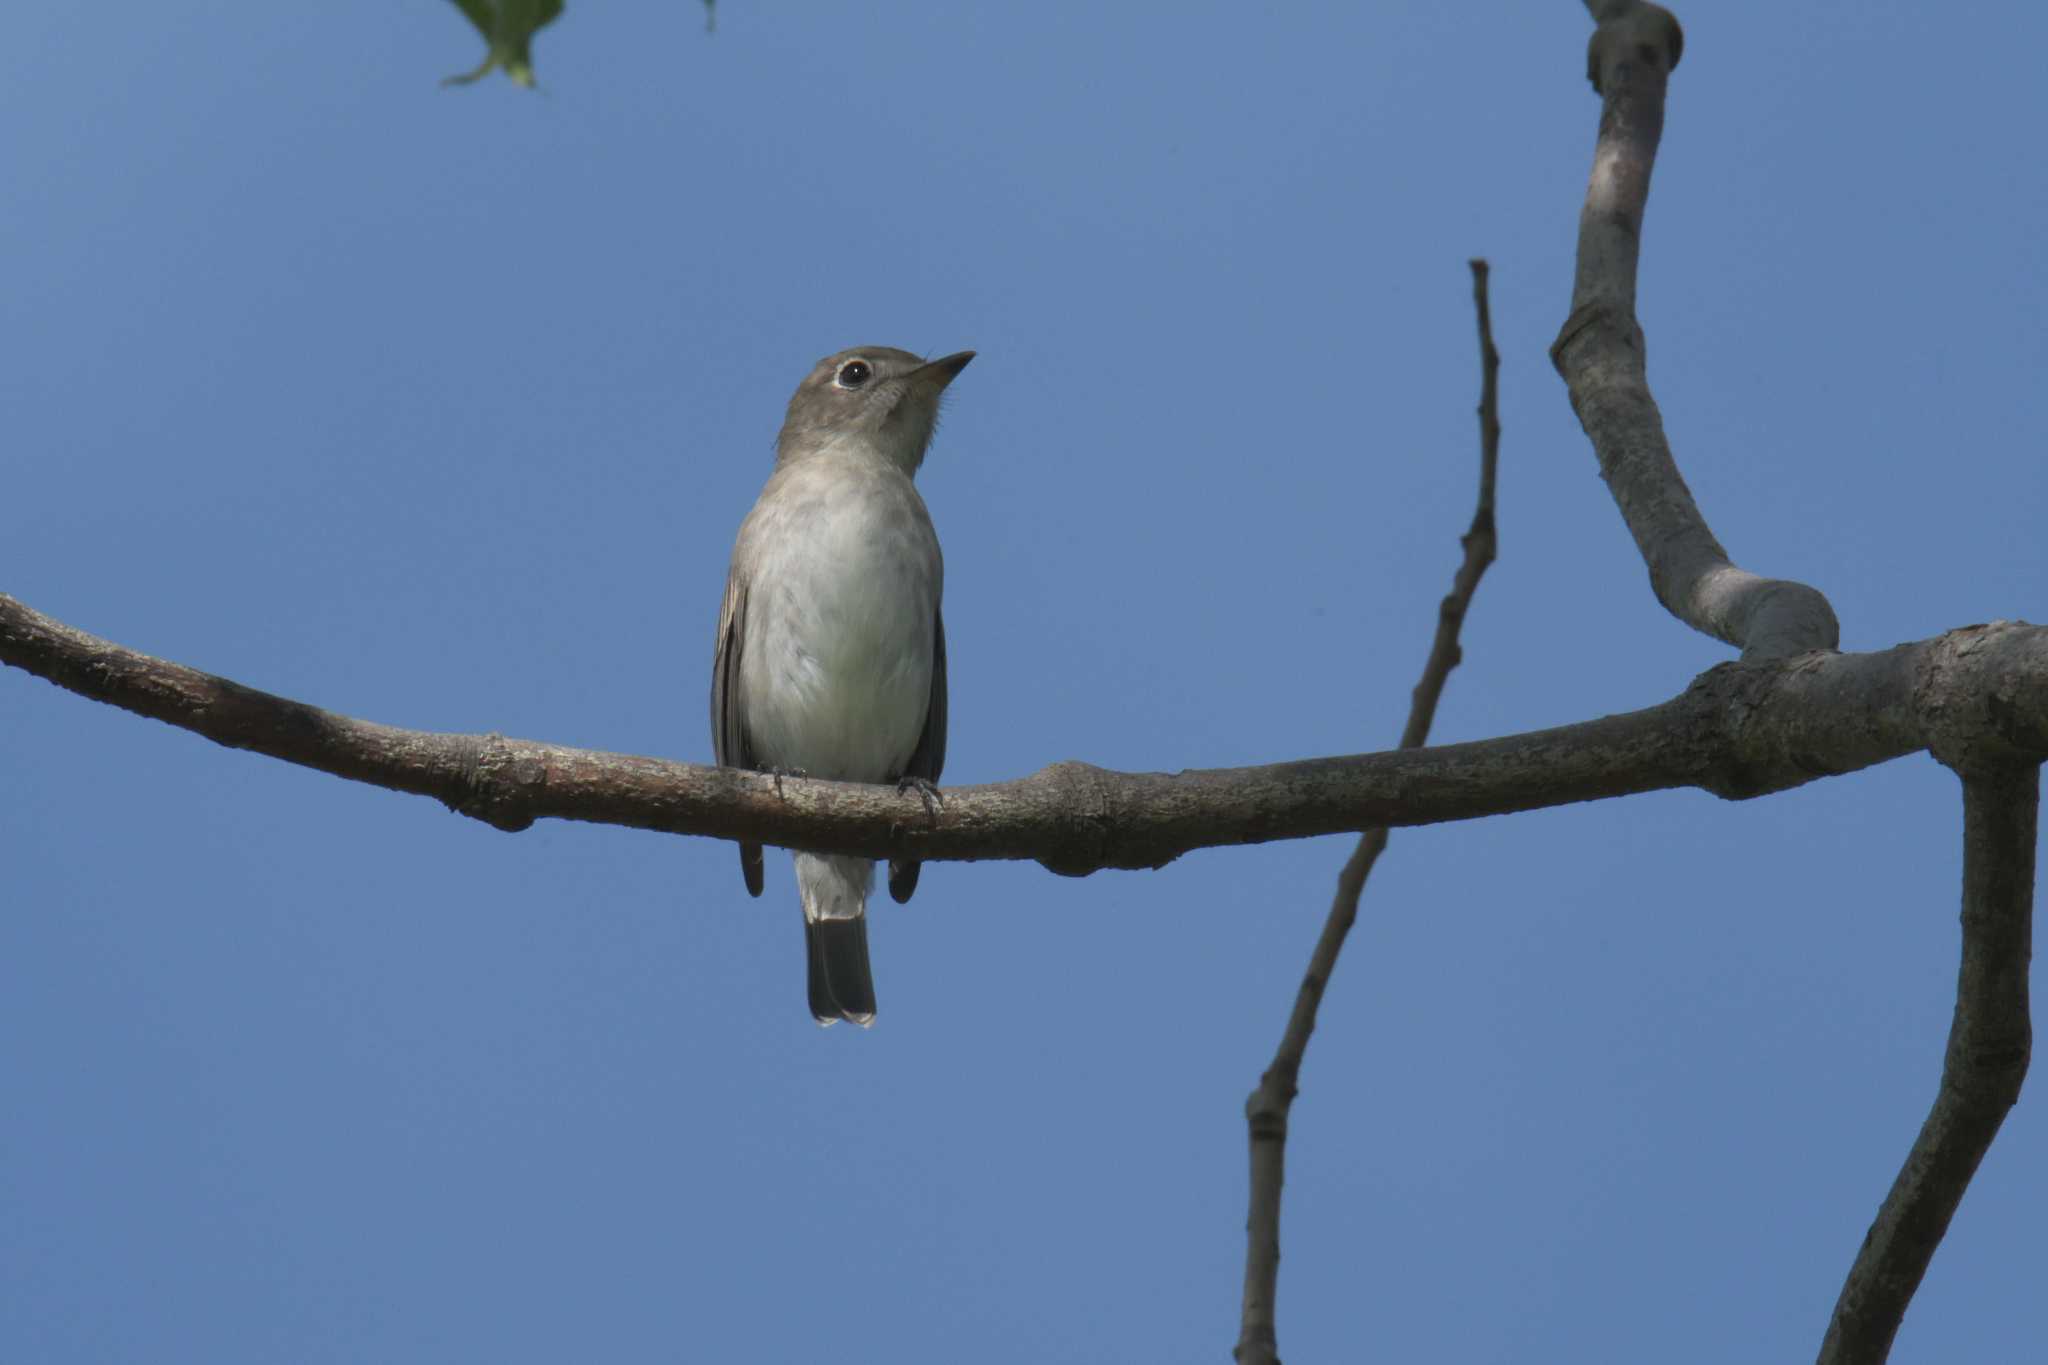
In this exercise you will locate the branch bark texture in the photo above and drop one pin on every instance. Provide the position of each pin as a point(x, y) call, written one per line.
point(1270, 1104)
point(1990, 1041)
point(1601, 354)
point(1740, 730)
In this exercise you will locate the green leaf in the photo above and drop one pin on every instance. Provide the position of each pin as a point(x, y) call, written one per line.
point(508, 27)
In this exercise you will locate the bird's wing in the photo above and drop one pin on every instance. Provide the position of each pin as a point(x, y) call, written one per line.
point(728, 720)
point(728, 728)
point(930, 754)
point(928, 757)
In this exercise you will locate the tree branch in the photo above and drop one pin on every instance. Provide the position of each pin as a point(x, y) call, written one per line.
point(1600, 354)
point(1740, 730)
point(1266, 1110)
point(1989, 1041)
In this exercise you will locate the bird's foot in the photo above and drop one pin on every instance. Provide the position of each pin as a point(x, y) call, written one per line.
point(934, 801)
point(779, 773)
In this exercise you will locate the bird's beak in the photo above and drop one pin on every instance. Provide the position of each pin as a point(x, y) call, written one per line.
point(939, 373)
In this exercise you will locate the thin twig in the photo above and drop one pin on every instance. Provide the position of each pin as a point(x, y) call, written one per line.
point(1267, 1109)
point(1989, 1041)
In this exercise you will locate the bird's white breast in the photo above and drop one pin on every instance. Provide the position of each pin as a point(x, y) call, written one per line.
point(843, 595)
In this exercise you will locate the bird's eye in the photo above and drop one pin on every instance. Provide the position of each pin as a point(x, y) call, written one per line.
point(853, 374)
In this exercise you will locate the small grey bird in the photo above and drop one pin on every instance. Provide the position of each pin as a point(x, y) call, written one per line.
point(831, 658)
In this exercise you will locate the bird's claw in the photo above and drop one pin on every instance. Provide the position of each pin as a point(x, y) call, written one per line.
point(779, 773)
point(934, 800)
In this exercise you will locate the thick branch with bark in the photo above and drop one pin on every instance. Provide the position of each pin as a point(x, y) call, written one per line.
point(1600, 353)
point(1267, 1109)
point(1740, 730)
point(1989, 1042)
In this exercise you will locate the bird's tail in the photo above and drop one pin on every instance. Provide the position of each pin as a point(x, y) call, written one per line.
point(835, 896)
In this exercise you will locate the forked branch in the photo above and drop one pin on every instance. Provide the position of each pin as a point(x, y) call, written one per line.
point(1600, 353)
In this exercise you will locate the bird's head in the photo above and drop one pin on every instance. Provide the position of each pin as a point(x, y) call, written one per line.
point(870, 398)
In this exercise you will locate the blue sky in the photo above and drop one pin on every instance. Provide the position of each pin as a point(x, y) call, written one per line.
point(440, 408)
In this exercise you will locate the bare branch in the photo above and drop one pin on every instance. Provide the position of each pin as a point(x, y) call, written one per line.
point(1600, 353)
point(1989, 1041)
point(1266, 1110)
point(1740, 730)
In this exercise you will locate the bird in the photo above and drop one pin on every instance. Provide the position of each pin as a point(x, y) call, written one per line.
point(831, 656)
